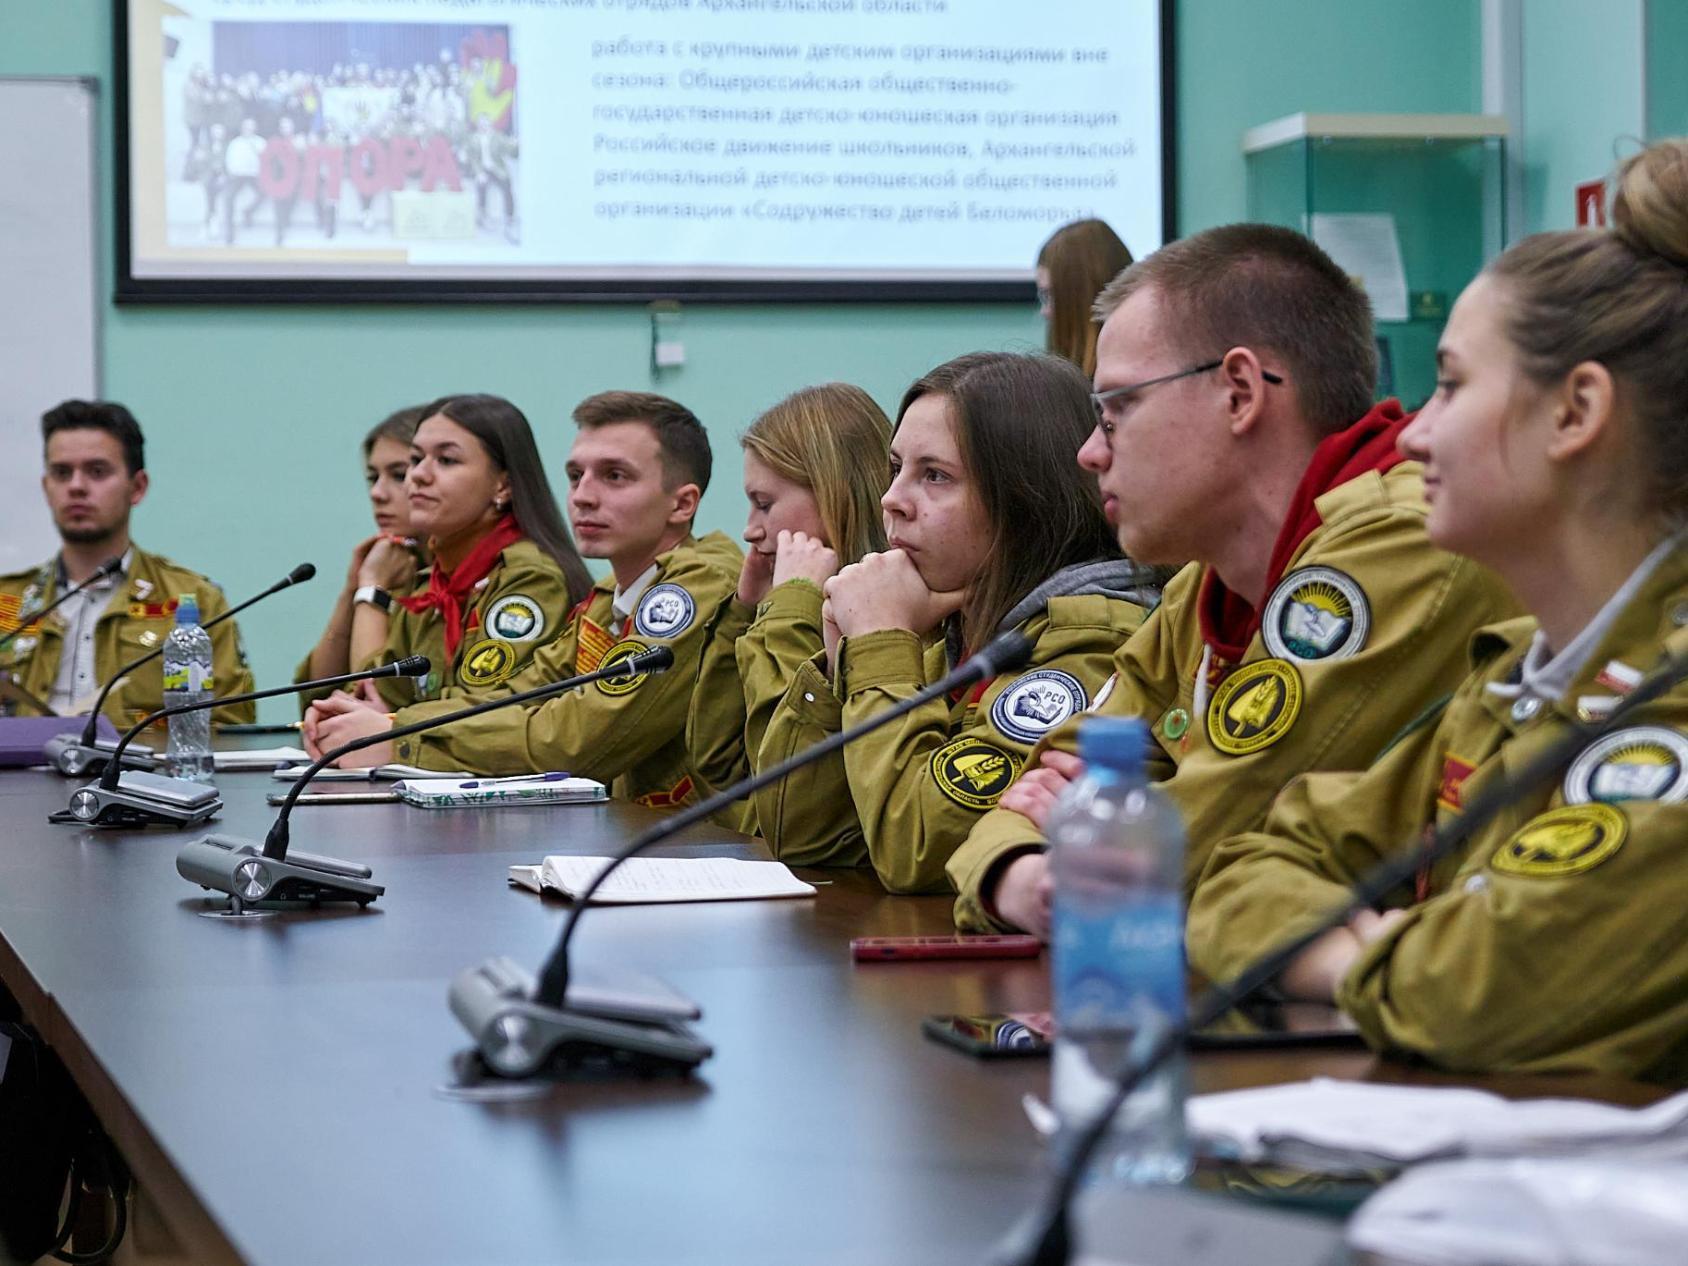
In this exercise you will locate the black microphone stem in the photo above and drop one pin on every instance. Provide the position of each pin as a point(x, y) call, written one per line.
point(1041, 1238)
point(399, 668)
point(1003, 653)
point(108, 568)
point(275, 843)
point(293, 577)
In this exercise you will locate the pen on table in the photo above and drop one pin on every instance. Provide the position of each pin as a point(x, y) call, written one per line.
point(553, 776)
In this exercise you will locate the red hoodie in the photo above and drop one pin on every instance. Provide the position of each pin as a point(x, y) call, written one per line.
point(1229, 621)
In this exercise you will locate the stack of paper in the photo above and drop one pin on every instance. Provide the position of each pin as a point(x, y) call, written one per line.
point(660, 879)
point(1603, 1212)
point(456, 793)
point(1345, 1126)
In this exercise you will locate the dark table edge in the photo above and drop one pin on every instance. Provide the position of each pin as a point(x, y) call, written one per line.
point(201, 1238)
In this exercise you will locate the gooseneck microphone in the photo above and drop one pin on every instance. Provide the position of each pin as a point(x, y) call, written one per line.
point(274, 877)
point(130, 799)
point(522, 1027)
point(84, 755)
point(110, 567)
point(1042, 1237)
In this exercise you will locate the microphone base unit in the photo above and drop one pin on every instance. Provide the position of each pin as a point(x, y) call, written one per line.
point(300, 881)
point(141, 800)
point(68, 754)
point(607, 1030)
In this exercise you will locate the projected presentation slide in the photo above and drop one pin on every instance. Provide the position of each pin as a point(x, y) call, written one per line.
point(633, 146)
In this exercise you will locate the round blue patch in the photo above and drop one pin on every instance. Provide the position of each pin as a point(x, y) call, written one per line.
point(666, 611)
point(1036, 703)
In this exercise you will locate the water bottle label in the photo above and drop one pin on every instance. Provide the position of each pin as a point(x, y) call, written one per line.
point(189, 677)
point(1114, 963)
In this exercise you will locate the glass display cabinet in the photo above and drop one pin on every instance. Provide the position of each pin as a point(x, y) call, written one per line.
point(1412, 205)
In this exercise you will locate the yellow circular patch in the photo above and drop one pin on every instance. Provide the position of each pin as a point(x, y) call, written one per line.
point(615, 654)
point(1254, 708)
point(487, 663)
point(1563, 841)
point(973, 773)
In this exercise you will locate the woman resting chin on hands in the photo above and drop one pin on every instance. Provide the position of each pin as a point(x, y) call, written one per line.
point(983, 447)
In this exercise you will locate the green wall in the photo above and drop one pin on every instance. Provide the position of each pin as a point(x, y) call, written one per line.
point(252, 414)
point(1582, 99)
point(1244, 62)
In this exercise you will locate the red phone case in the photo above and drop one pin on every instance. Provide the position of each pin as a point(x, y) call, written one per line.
point(882, 949)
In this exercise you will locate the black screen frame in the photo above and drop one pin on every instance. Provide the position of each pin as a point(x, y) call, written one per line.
point(129, 289)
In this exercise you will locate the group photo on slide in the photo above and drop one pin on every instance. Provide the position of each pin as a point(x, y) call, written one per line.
point(323, 135)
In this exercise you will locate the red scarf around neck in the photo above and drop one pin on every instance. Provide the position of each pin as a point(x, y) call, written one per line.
point(1229, 621)
point(445, 593)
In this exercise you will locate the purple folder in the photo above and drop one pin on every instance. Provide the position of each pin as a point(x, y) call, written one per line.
point(22, 738)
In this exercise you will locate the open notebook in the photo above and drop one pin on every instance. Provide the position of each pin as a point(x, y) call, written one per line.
point(648, 880)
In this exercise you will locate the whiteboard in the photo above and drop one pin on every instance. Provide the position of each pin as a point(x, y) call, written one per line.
point(49, 319)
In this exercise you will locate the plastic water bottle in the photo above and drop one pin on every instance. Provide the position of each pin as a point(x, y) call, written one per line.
point(1118, 939)
point(187, 679)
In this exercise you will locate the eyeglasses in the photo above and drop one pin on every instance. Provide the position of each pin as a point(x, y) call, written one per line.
point(1100, 400)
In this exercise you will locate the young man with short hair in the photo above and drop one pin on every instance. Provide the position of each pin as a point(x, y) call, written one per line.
point(1234, 386)
point(95, 476)
point(639, 466)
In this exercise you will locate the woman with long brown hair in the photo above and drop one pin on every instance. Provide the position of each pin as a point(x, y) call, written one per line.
point(1073, 267)
point(505, 571)
point(991, 526)
point(815, 467)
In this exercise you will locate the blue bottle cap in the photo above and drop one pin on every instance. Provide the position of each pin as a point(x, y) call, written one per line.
point(1114, 742)
point(187, 609)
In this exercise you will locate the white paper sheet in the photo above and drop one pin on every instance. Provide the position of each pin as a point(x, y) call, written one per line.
point(1367, 247)
point(661, 879)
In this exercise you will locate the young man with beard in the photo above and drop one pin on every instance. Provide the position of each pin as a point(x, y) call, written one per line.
point(95, 476)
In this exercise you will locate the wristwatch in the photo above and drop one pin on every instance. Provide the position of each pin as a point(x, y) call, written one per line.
point(375, 596)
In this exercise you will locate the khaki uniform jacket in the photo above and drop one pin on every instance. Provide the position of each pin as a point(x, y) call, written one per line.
point(1557, 939)
point(138, 618)
point(750, 659)
point(904, 797)
point(520, 605)
point(1316, 688)
point(629, 734)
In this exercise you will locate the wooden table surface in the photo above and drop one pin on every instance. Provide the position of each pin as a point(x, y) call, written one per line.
point(274, 1083)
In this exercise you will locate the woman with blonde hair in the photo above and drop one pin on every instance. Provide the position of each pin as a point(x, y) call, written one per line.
point(1555, 452)
point(815, 466)
point(1073, 267)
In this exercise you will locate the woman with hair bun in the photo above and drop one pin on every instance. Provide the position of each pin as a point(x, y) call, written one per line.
point(1556, 453)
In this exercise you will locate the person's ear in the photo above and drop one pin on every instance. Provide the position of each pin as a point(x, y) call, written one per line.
point(1244, 385)
point(501, 494)
point(138, 487)
point(1583, 407)
point(685, 502)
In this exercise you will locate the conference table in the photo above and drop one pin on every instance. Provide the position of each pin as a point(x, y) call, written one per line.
point(275, 1084)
